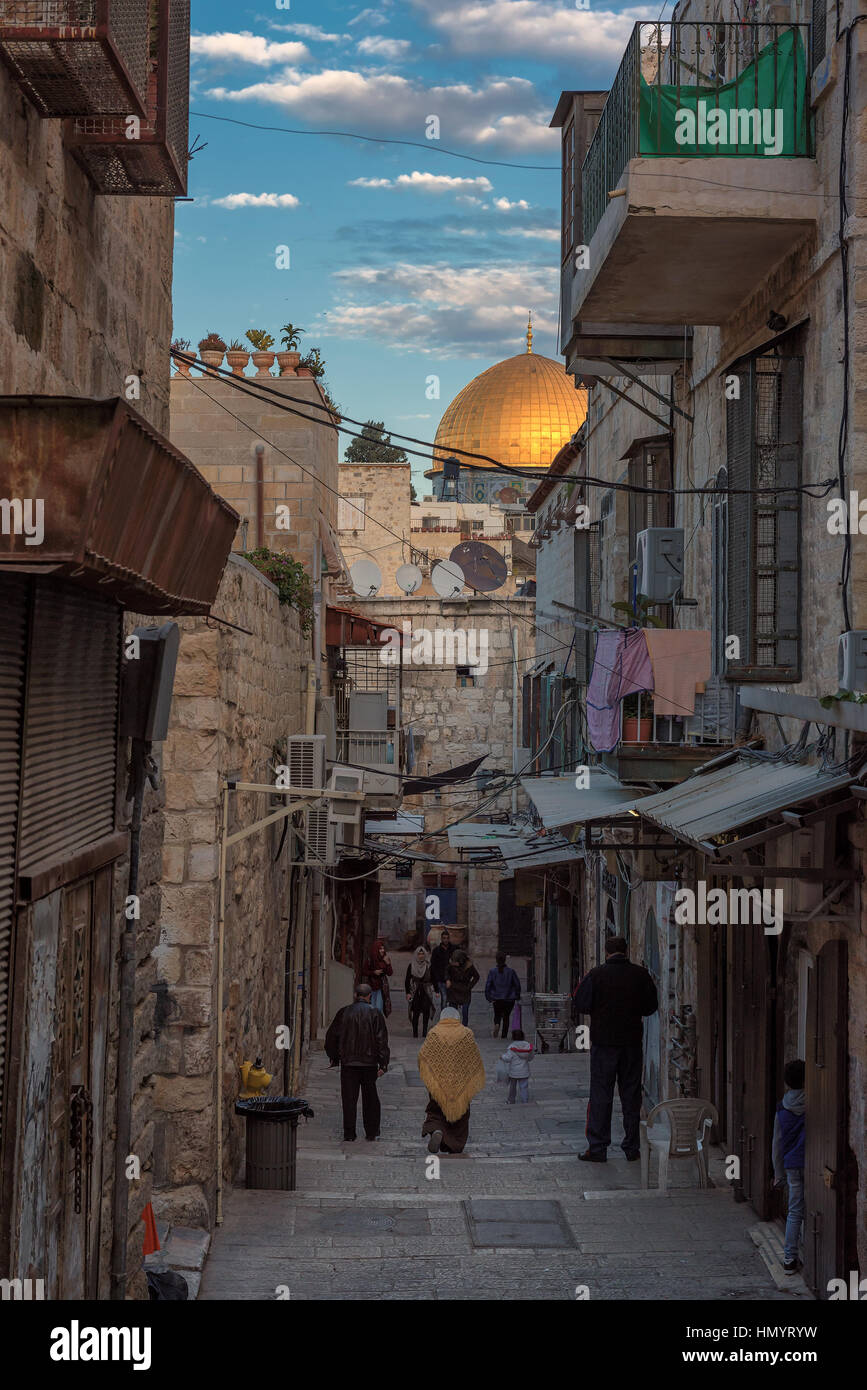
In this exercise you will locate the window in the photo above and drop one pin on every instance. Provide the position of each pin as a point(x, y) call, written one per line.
point(719, 557)
point(351, 514)
point(568, 186)
point(763, 445)
point(650, 467)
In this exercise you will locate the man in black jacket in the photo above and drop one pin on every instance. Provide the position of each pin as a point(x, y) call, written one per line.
point(617, 996)
point(358, 1041)
point(439, 964)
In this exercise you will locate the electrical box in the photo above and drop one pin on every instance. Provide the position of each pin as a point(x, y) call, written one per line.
point(852, 660)
point(659, 562)
point(148, 681)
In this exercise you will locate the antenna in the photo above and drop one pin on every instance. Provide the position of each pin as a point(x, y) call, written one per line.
point(408, 578)
point(482, 565)
point(366, 578)
point(447, 578)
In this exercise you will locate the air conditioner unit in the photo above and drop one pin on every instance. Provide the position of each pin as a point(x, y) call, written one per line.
point(368, 709)
point(326, 724)
point(320, 849)
point(305, 759)
point(852, 660)
point(659, 561)
point(349, 836)
point(345, 779)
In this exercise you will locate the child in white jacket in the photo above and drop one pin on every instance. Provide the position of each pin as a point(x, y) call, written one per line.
point(517, 1058)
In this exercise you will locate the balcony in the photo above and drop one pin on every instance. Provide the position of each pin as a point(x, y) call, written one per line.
point(702, 158)
point(78, 57)
point(663, 748)
point(378, 753)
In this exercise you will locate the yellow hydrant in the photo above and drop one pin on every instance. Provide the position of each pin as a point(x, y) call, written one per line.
point(254, 1079)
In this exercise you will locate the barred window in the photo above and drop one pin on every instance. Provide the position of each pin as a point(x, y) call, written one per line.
point(764, 441)
point(649, 467)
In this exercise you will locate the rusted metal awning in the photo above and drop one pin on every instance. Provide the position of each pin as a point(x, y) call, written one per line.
point(335, 561)
point(344, 628)
point(124, 511)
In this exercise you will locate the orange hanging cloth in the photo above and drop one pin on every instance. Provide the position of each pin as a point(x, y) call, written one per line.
point(151, 1239)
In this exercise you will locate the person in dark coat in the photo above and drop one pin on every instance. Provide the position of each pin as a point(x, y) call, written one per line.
point(503, 990)
point(460, 981)
point(419, 991)
point(439, 964)
point(357, 1042)
point(617, 996)
point(787, 1155)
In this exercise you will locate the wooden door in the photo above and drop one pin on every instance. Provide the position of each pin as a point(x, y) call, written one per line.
point(752, 1005)
point(711, 1051)
point(826, 1124)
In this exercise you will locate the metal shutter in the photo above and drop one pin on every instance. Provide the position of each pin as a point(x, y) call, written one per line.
point(817, 32)
point(785, 510)
point(13, 656)
point(739, 460)
point(70, 734)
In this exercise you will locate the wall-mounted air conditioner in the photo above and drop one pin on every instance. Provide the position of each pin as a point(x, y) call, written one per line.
point(305, 759)
point(320, 849)
point(345, 779)
point(326, 724)
point(852, 660)
point(659, 561)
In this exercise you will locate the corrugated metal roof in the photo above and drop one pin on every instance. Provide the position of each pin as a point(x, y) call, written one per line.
point(560, 802)
point(715, 802)
point(404, 824)
point(475, 835)
point(536, 851)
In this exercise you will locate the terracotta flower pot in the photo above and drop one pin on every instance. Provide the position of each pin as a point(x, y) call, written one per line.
point(448, 880)
point(287, 362)
point(430, 880)
point(237, 361)
point(183, 367)
point(263, 361)
point(637, 730)
point(303, 371)
point(213, 359)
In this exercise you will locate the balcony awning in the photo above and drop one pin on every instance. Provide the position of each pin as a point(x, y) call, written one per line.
point(714, 803)
point(404, 823)
point(125, 512)
point(335, 561)
point(344, 628)
point(528, 851)
point(559, 802)
point(436, 780)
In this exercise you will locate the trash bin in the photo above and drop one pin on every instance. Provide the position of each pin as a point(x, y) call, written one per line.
point(272, 1140)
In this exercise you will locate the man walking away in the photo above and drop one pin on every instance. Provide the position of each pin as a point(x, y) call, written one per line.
point(357, 1041)
point(788, 1157)
point(439, 965)
point(503, 990)
point(617, 996)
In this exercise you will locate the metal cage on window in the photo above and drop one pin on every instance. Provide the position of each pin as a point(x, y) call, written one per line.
point(78, 57)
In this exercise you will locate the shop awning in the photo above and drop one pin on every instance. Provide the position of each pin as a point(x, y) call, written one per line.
point(559, 802)
point(124, 511)
point(530, 851)
point(714, 803)
point(403, 824)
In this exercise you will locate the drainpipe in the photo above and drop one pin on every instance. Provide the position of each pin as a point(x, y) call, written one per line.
point(221, 938)
point(142, 769)
point(514, 639)
point(260, 495)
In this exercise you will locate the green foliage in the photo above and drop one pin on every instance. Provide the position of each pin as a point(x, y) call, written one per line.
point(236, 346)
point(373, 445)
point(846, 696)
point(290, 577)
point(291, 336)
point(212, 342)
point(639, 612)
point(314, 362)
point(181, 345)
point(261, 341)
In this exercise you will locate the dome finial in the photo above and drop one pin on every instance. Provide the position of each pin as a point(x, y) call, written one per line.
point(530, 331)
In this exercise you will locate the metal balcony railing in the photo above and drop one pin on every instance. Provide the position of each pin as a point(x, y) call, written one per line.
point(673, 78)
point(712, 722)
point(378, 748)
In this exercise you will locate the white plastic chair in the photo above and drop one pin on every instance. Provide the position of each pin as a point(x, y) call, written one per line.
point(684, 1137)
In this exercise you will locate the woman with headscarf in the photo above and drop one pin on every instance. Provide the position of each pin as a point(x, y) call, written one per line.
point(450, 1065)
point(462, 977)
point(419, 990)
point(376, 970)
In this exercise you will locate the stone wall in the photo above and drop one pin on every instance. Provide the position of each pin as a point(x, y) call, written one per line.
point(237, 698)
point(385, 488)
point(85, 281)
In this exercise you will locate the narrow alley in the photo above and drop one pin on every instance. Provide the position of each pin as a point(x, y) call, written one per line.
point(513, 1217)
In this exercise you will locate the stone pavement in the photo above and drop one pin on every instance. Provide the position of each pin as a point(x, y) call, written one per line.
point(515, 1216)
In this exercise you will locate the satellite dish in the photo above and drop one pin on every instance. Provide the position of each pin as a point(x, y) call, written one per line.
point(508, 494)
point(408, 578)
point(447, 578)
point(483, 566)
point(366, 578)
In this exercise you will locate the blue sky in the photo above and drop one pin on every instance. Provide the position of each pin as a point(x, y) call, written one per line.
point(405, 262)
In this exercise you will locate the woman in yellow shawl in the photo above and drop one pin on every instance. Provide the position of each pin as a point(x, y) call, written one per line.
point(450, 1065)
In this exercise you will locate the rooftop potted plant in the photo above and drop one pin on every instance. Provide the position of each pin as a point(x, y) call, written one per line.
point(211, 349)
point(312, 364)
point(182, 345)
point(288, 360)
point(237, 356)
point(263, 357)
point(638, 718)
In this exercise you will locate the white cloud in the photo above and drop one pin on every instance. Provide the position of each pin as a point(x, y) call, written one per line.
point(247, 48)
point(310, 31)
point(375, 17)
point(428, 183)
point(504, 110)
point(532, 28)
point(503, 204)
point(257, 200)
point(377, 46)
point(541, 233)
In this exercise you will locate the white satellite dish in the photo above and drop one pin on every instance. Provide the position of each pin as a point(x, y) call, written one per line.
point(447, 578)
point(366, 578)
point(408, 578)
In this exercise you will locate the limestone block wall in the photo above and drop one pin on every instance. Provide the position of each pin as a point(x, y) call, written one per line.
point(238, 695)
point(385, 488)
point(85, 281)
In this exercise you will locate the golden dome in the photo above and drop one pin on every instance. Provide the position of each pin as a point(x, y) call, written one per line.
point(520, 412)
